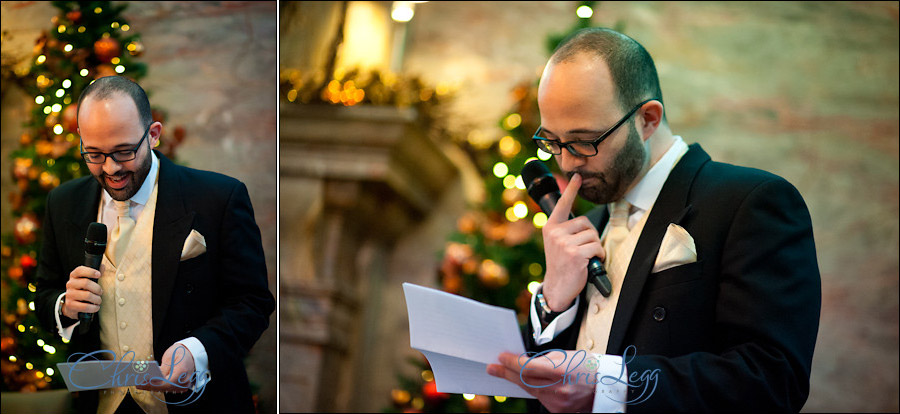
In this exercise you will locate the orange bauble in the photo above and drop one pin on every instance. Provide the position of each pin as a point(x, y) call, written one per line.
point(106, 49)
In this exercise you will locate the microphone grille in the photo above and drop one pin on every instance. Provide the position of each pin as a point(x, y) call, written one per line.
point(533, 170)
point(95, 239)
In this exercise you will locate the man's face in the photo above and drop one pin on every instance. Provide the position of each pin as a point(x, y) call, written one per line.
point(113, 124)
point(577, 102)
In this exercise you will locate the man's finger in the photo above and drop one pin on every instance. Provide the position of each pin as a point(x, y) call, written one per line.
point(533, 368)
point(564, 205)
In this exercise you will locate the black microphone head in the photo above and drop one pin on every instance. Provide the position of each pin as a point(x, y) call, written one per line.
point(538, 179)
point(95, 239)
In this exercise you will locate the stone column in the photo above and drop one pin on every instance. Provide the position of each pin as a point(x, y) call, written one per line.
point(353, 181)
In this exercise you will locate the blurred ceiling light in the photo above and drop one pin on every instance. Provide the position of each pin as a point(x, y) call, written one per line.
point(584, 12)
point(403, 11)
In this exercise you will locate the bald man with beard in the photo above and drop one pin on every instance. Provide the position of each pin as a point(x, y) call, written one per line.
point(716, 292)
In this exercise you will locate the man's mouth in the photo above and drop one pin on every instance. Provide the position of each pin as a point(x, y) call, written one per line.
point(117, 182)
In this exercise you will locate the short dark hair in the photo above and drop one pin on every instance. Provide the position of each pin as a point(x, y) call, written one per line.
point(631, 67)
point(106, 87)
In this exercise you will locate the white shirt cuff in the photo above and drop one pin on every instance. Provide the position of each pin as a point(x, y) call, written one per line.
point(201, 361)
point(557, 325)
point(65, 333)
point(612, 386)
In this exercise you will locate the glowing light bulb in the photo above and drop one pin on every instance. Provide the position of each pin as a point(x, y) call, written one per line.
point(500, 169)
point(509, 181)
point(533, 286)
point(543, 156)
point(520, 183)
point(520, 210)
point(512, 121)
point(120, 69)
point(539, 220)
point(402, 11)
point(39, 100)
point(584, 11)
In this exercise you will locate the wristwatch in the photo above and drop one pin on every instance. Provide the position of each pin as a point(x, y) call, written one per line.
point(545, 314)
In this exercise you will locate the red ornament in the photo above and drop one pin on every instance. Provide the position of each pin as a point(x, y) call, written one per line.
point(74, 16)
point(431, 394)
point(15, 273)
point(7, 343)
point(27, 262)
point(70, 118)
point(106, 49)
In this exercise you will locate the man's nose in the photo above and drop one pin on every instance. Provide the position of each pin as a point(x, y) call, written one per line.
point(110, 166)
point(569, 162)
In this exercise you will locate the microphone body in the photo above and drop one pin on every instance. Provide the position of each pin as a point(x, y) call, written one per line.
point(543, 190)
point(94, 247)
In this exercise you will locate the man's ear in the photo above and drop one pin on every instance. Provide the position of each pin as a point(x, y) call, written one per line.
point(651, 116)
point(154, 134)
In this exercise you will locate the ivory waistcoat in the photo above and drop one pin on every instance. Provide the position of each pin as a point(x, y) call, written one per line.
point(598, 317)
point(126, 311)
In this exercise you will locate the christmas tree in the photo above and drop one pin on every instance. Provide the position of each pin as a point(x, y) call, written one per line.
point(87, 40)
point(496, 256)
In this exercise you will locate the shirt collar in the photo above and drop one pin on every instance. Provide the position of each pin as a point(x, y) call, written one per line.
point(143, 194)
point(644, 194)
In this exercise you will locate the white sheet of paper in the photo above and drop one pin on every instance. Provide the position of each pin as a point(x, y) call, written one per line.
point(99, 375)
point(460, 337)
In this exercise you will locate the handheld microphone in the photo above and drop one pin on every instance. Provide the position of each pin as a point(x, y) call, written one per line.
point(94, 247)
point(543, 190)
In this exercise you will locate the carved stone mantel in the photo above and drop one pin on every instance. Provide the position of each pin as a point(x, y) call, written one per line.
point(353, 180)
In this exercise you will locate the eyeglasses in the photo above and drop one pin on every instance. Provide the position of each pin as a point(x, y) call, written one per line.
point(580, 148)
point(97, 157)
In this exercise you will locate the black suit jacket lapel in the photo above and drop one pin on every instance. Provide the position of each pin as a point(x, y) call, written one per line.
point(670, 207)
point(81, 213)
point(171, 226)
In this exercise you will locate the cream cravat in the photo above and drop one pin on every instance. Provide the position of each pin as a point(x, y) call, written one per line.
point(122, 233)
point(618, 229)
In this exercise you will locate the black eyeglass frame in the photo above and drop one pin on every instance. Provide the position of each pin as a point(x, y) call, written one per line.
point(115, 155)
point(542, 142)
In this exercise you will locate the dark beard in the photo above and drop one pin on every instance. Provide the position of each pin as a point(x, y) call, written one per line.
point(138, 177)
point(613, 183)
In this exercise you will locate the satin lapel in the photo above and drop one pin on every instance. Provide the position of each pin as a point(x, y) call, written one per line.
point(670, 207)
point(171, 227)
point(81, 213)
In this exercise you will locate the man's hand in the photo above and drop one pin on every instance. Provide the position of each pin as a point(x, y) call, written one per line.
point(568, 246)
point(82, 292)
point(178, 368)
point(560, 380)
